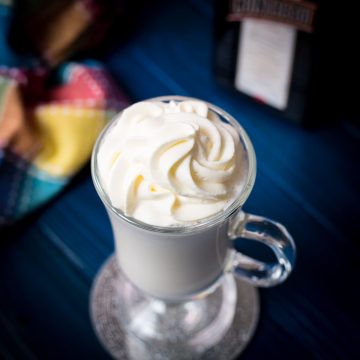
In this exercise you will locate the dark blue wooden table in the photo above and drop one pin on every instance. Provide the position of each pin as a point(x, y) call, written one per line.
point(308, 180)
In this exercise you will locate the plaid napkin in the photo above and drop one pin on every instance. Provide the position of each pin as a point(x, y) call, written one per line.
point(51, 112)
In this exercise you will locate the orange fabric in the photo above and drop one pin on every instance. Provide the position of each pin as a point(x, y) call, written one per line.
point(17, 130)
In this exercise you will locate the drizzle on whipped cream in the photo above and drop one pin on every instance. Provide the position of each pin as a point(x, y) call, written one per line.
point(169, 164)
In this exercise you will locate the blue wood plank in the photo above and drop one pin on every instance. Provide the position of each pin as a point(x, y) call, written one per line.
point(44, 301)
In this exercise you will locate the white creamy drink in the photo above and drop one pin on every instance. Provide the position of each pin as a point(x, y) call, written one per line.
point(170, 165)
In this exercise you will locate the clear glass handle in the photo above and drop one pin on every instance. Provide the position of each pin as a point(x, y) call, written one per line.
point(267, 232)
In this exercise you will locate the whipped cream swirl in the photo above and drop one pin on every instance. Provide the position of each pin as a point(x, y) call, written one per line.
point(171, 163)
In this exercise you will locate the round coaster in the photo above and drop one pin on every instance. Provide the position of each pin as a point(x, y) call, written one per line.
point(104, 311)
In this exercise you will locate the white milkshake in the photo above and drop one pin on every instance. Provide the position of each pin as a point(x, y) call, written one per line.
point(170, 165)
point(173, 173)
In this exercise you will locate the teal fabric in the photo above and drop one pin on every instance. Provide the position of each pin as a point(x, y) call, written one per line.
point(36, 189)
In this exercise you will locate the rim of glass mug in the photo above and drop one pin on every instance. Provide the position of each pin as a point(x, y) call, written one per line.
point(199, 225)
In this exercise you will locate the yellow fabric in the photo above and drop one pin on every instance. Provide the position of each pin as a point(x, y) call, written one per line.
point(68, 135)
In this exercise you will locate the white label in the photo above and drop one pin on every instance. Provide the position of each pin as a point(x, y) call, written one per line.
point(264, 62)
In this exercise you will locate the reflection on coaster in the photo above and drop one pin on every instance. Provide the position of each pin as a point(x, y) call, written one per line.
point(148, 337)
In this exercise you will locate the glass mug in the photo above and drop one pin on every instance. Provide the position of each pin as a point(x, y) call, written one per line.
point(171, 267)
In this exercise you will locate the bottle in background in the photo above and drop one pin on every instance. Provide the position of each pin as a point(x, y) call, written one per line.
point(287, 55)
